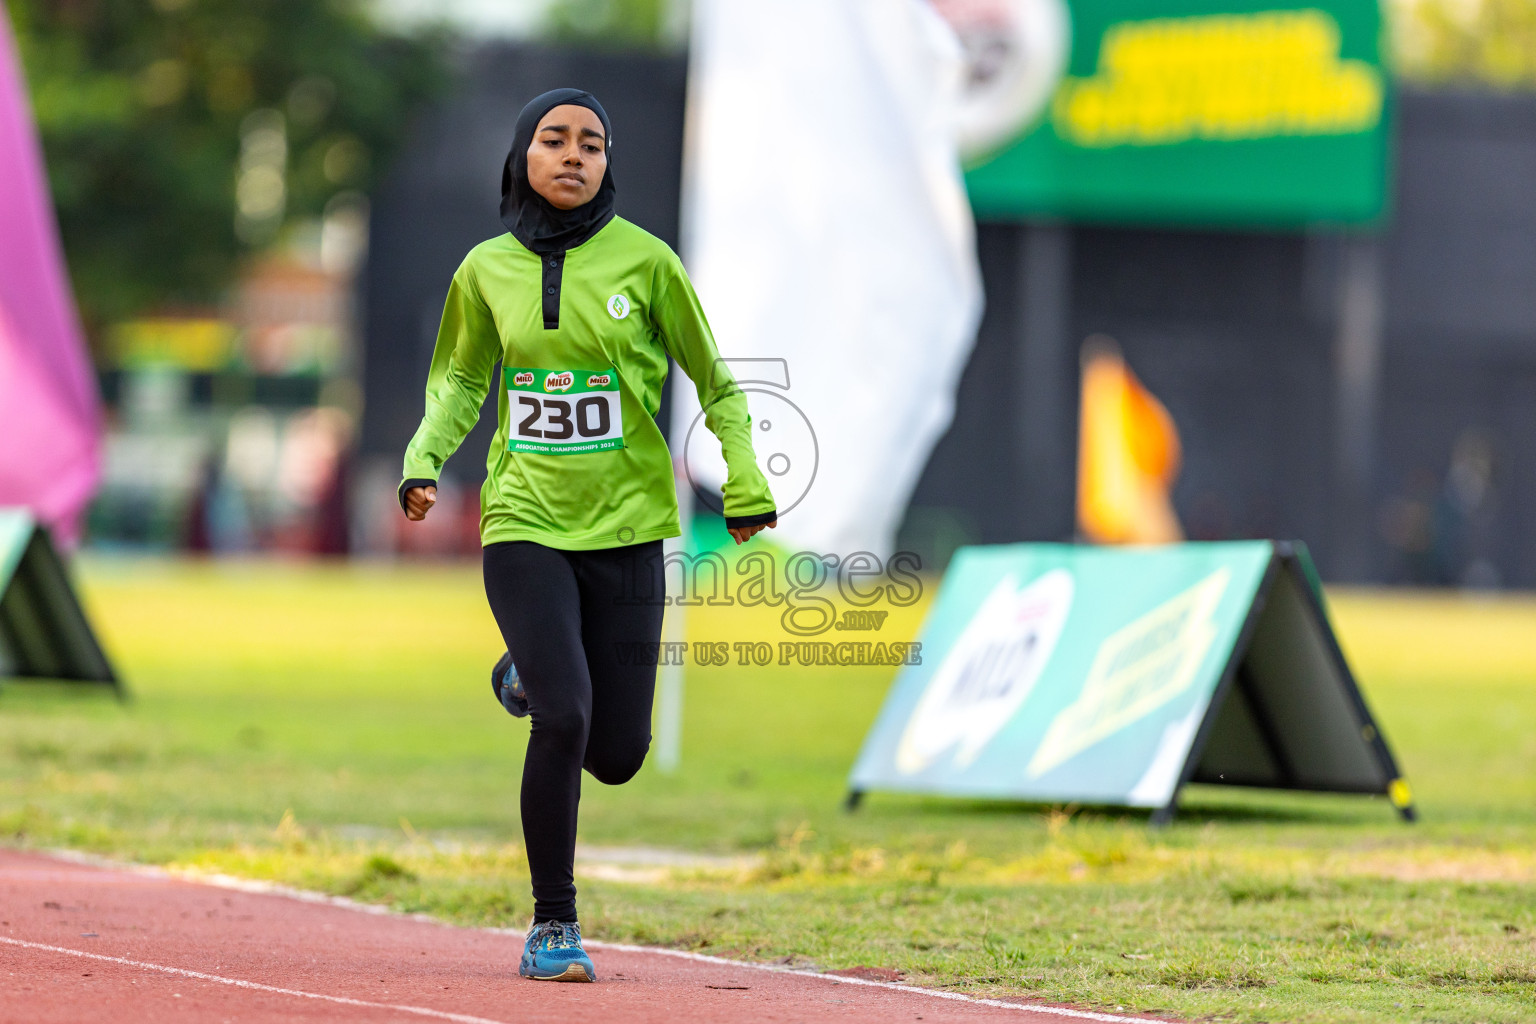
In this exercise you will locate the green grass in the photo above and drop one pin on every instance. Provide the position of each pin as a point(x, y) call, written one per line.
point(331, 727)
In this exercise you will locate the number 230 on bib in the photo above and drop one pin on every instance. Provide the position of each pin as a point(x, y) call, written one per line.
point(563, 412)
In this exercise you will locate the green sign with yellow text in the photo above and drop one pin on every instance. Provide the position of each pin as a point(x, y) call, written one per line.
point(1218, 112)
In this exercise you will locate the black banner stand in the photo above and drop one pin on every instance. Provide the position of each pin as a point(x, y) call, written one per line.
point(44, 633)
point(1287, 713)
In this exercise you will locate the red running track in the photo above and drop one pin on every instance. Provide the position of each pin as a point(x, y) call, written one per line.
point(83, 943)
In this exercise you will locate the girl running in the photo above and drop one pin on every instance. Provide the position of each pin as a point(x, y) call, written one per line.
point(582, 309)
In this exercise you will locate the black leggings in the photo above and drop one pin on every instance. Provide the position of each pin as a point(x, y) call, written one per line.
point(582, 627)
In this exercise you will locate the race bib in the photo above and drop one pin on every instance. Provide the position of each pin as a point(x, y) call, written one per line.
point(563, 412)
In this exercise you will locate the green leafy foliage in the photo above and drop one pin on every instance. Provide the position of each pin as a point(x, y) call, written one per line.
point(142, 106)
point(615, 24)
point(1467, 42)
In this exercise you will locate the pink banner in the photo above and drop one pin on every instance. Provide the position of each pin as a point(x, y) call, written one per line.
point(50, 411)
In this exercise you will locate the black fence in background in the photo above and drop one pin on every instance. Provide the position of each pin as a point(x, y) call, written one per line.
point(1373, 396)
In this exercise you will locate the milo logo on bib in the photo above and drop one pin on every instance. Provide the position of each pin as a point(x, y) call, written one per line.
point(563, 412)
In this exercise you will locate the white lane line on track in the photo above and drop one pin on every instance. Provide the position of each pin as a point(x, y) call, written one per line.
point(248, 885)
point(180, 972)
point(841, 979)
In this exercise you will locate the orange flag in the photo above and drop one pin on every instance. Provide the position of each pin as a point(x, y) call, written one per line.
point(1128, 455)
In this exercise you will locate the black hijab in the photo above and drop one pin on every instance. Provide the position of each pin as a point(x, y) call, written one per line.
point(530, 217)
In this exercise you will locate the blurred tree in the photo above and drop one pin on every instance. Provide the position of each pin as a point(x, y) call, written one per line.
point(618, 24)
point(1489, 42)
point(181, 134)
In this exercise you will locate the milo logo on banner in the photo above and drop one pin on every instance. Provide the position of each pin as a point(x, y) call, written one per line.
point(560, 381)
point(989, 672)
point(523, 379)
point(599, 380)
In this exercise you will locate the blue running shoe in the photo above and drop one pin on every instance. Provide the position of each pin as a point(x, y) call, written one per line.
point(552, 952)
point(508, 687)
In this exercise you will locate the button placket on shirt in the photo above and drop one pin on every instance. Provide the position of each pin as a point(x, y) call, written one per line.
point(553, 268)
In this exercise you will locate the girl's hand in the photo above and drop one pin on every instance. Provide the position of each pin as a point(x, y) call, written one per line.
point(418, 502)
point(741, 533)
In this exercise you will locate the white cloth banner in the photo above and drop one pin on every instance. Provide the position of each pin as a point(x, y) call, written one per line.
point(826, 227)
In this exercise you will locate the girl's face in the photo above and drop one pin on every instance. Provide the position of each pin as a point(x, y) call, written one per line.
point(568, 157)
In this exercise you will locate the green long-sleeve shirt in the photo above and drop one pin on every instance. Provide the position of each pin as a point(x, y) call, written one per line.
point(587, 465)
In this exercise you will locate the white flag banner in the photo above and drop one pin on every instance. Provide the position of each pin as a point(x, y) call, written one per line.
point(827, 230)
